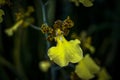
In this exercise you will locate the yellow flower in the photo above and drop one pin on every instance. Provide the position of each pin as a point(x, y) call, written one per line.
point(65, 51)
point(86, 68)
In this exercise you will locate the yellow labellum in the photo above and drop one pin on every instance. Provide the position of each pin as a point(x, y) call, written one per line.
point(65, 51)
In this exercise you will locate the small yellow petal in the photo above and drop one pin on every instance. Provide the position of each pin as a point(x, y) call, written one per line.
point(104, 75)
point(91, 65)
point(83, 72)
point(44, 65)
point(86, 68)
point(10, 31)
point(86, 3)
point(2, 12)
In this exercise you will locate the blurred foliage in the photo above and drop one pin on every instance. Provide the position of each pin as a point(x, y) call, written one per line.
point(23, 50)
point(1, 14)
point(2, 2)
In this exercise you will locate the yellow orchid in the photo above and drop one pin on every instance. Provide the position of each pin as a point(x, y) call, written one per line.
point(65, 51)
point(86, 68)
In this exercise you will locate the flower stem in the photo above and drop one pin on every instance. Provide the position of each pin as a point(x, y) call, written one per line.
point(48, 44)
point(43, 12)
point(35, 27)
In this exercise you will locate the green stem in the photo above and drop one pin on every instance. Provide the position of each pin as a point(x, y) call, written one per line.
point(43, 12)
point(16, 54)
point(5, 63)
point(1, 48)
point(48, 44)
point(45, 21)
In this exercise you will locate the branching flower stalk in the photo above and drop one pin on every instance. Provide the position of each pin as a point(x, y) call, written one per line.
point(53, 69)
point(44, 19)
point(7, 64)
point(67, 49)
point(46, 35)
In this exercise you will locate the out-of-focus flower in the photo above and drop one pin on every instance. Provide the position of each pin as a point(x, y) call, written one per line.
point(22, 19)
point(44, 65)
point(27, 22)
point(76, 2)
point(1, 14)
point(10, 31)
point(86, 3)
point(21, 14)
point(86, 68)
point(104, 75)
point(23, 23)
point(87, 44)
point(65, 51)
point(2, 2)
point(86, 41)
point(29, 11)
